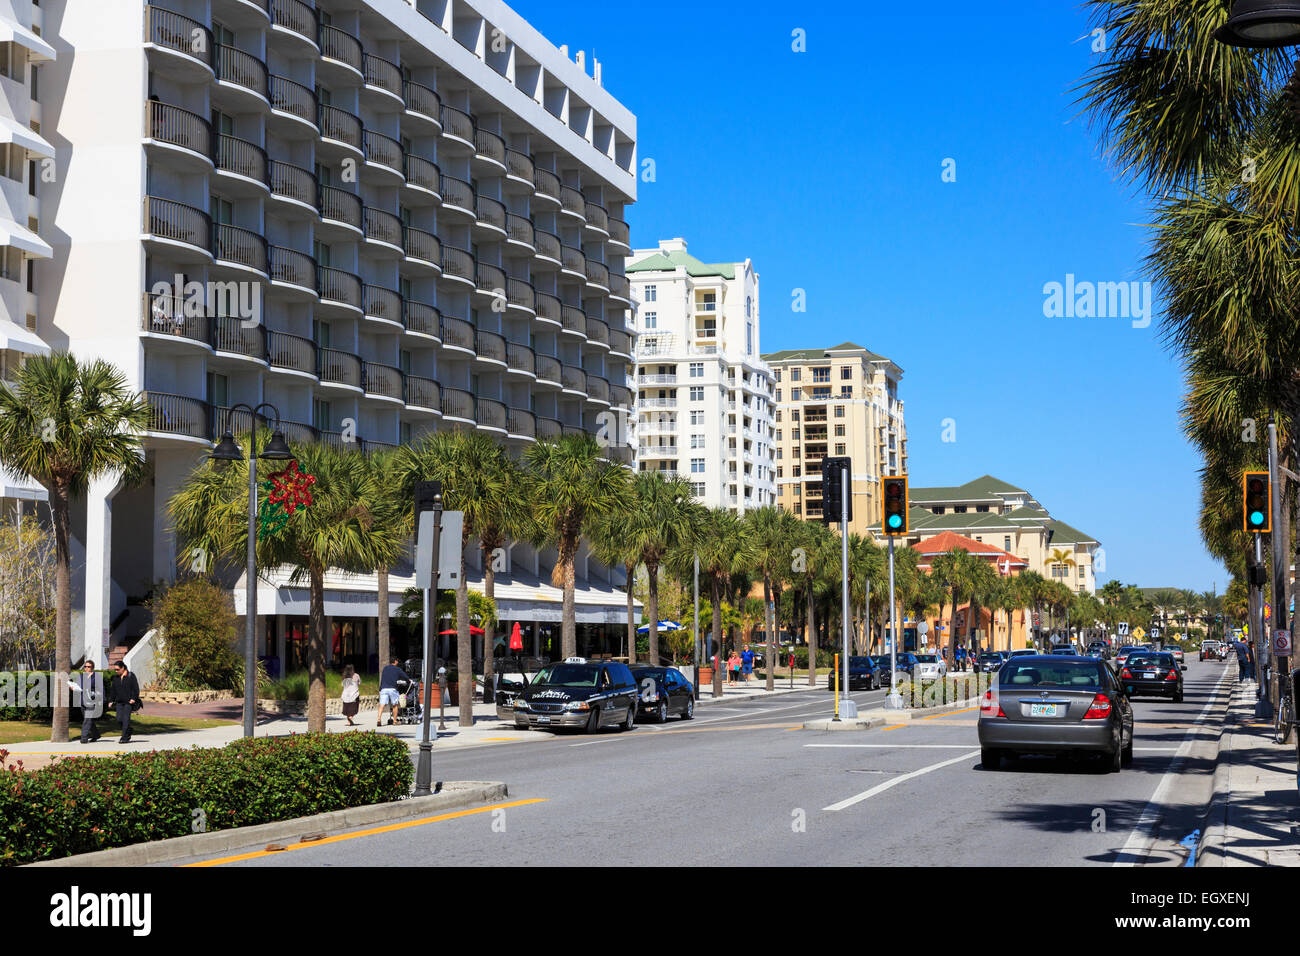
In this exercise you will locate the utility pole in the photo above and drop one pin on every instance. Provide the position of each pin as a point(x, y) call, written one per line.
point(695, 592)
point(850, 708)
point(1281, 561)
point(895, 700)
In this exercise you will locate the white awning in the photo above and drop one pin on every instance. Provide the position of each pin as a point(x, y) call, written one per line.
point(20, 237)
point(13, 32)
point(18, 339)
point(30, 140)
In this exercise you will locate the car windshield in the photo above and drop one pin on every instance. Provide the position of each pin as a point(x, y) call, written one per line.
point(859, 661)
point(567, 675)
point(880, 658)
point(986, 658)
point(1082, 674)
point(925, 658)
point(1153, 660)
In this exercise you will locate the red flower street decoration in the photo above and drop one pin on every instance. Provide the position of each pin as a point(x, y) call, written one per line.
point(286, 491)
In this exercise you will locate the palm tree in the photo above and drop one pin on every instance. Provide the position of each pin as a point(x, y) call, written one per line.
point(1033, 589)
point(64, 425)
point(820, 560)
point(723, 546)
point(344, 528)
point(398, 512)
point(504, 519)
point(612, 546)
point(573, 482)
point(773, 533)
point(663, 517)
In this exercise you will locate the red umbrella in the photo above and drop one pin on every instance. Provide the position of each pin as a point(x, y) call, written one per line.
point(516, 639)
point(472, 630)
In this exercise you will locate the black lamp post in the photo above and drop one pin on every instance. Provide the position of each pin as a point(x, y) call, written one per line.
point(1262, 23)
point(276, 450)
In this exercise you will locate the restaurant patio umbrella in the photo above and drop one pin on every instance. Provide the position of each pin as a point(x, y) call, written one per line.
point(663, 626)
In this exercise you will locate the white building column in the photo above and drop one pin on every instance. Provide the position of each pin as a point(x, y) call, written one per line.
point(99, 571)
point(170, 471)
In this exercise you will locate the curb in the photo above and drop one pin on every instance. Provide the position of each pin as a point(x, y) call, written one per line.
point(860, 723)
point(451, 796)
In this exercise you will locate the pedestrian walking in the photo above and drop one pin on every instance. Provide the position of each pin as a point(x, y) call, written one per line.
point(1243, 658)
point(733, 667)
point(90, 686)
point(388, 694)
point(747, 663)
point(351, 693)
point(125, 696)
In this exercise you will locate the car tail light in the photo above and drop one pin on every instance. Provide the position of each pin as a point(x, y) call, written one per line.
point(1173, 675)
point(1099, 708)
point(1125, 673)
point(989, 705)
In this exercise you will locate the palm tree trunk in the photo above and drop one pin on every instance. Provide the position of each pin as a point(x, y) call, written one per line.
point(489, 628)
point(464, 646)
point(385, 637)
point(631, 616)
point(719, 661)
point(316, 653)
point(811, 612)
point(568, 620)
point(62, 611)
point(652, 611)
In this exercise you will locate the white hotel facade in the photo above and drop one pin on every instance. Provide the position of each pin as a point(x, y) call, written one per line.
point(421, 207)
point(704, 396)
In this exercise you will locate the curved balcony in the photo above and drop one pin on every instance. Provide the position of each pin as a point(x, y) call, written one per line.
point(573, 380)
point(520, 294)
point(341, 212)
point(421, 318)
point(176, 224)
point(521, 423)
point(620, 288)
point(458, 403)
point(171, 317)
point(597, 275)
point(295, 19)
point(422, 103)
point(241, 248)
point(244, 164)
point(382, 76)
point(574, 430)
point(295, 186)
point(572, 204)
point(422, 248)
point(185, 45)
point(489, 152)
point(423, 393)
point(382, 153)
point(519, 231)
point(294, 269)
point(597, 219)
point(491, 216)
point(458, 264)
point(339, 288)
point(338, 368)
point(491, 348)
point(189, 133)
point(620, 397)
point(291, 353)
point(298, 432)
point(234, 337)
point(179, 416)
point(548, 248)
point(548, 428)
point(423, 175)
point(573, 261)
point(384, 305)
point(546, 188)
point(597, 390)
point(548, 370)
point(242, 72)
point(620, 235)
point(519, 172)
point(620, 344)
point(598, 333)
point(341, 54)
point(520, 360)
point(457, 130)
point(548, 308)
point(296, 103)
point(457, 195)
point(574, 321)
point(382, 381)
point(341, 130)
point(490, 280)
point(457, 334)
point(490, 415)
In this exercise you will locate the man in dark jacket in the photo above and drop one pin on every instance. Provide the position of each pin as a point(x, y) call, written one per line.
point(1243, 658)
point(388, 693)
point(124, 694)
point(90, 686)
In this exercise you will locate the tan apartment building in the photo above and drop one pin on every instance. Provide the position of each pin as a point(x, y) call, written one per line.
point(837, 402)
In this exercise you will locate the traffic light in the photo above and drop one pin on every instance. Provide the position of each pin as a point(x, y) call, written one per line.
point(1256, 501)
point(893, 495)
point(834, 493)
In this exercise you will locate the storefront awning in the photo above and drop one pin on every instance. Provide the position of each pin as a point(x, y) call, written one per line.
point(11, 31)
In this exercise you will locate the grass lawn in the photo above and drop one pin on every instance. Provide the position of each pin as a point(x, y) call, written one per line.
point(294, 686)
point(28, 731)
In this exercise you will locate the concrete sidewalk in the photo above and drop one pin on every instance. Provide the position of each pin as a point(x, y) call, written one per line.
point(1255, 805)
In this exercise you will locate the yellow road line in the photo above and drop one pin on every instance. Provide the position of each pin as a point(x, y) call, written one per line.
point(486, 740)
point(895, 727)
point(965, 710)
point(371, 832)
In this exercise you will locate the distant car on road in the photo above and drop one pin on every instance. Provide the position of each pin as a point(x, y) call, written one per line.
point(1023, 652)
point(1099, 649)
point(906, 662)
point(1212, 650)
point(990, 661)
point(662, 692)
point(864, 674)
point(1153, 673)
point(1053, 704)
point(929, 667)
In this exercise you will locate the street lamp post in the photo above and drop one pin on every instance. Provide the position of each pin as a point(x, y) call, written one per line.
point(276, 450)
point(1261, 23)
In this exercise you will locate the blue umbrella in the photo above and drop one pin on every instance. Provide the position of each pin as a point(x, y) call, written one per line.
point(663, 626)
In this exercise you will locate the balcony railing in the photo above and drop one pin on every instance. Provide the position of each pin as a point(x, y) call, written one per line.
point(619, 232)
point(381, 303)
point(597, 273)
point(171, 124)
point(456, 192)
point(573, 320)
point(457, 333)
point(457, 262)
point(490, 278)
point(490, 212)
point(619, 286)
point(548, 306)
point(382, 226)
point(490, 146)
point(597, 388)
point(549, 428)
point(423, 393)
point(293, 182)
point(490, 346)
point(382, 74)
point(520, 421)
point(457, 123)
point(520, 358)
point(547, 244)
point(598, 332)
point(458, 403)
point(572, 201)
point(420, 172)
point(621, 343)
point(546, 183)
point(341, 126)
point(178, 415)
point(422, 100)
point(421, 317)
point(382, 150)
point(296, 16)
point(290, 97)
point(284, 350)
point(519, 292)
point(490, 413)
point(548, 368)
point(382, 380)
point(232, 335)
point(596, 216)
point(242, 158)
point(340, 46)
point(293, 267)
point(573, 378)
point(179, 33)
point(520, 229)
point(342, 368)
point(166, 315)
point(573, 260)
point(177, 221)
point(422, 245)
point(340, 206)
point(242, 69)
point(519, 165)
point(573, 429)
point(335, 285)
point(620, 397)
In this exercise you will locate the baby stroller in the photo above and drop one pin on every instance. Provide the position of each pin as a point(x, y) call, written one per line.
point(409, 708)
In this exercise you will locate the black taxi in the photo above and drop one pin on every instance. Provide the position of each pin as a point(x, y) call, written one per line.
point(581, 694)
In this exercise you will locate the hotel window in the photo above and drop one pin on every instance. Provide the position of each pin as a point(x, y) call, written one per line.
point(697, 441)
point(797, 471)
point(846, 391)
point(697, 370)
point(651, 320)
point(821, 393)
point(794, 394)
point(697, 393)
point(839, 411)
point(697, 466)
point(697, 489)
point(1006, 543)
point(780, 472)
point(839, 431)
point(778, 434)
point(649, 294)
point(749, 304)
point(697, 418)
point(846, 372)
point(778, 454)
point(938, 511)
point(708, 302)
point(959, 509)
point(839, 448)
point(749, 338)
point(794, 374)
point(794, 415)
point(821, 374)
point(981, 508)
point(709, 329)
point(777, 376)
point(1082, 572)
point(13, 161)
point(794, 434)
point(778, 394)
point(778, 414)
point(31, 275)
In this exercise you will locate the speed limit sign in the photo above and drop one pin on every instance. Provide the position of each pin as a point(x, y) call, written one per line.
point(1281, 643)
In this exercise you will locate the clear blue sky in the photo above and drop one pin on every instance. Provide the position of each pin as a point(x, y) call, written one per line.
point(825, 168)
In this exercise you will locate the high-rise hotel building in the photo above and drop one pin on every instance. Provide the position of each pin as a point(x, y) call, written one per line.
point(383, 217)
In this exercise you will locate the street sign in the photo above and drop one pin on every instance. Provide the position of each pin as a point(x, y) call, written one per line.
point(1122, 628)
point(1139, 633)
point(1281, 643)
point(453, 522)
point(923, 628)
point(1155, 632)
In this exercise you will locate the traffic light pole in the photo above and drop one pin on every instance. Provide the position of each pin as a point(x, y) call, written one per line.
point(1263, 706)
point(1281, 563)
point(850, 707)
point(894, 701)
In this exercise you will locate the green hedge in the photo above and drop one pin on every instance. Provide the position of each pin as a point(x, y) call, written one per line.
point(40, 714)
point(97, 803)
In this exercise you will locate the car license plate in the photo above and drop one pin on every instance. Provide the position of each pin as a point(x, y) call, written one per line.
point(1042, 710)
point(1149, 675)
point(543, 720)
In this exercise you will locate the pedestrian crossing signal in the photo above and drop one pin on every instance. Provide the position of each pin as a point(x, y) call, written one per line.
point(893, 495)
point(1256, 501)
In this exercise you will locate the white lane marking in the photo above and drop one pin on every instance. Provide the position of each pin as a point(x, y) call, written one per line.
point(881, 788)
point(897, 746)
point(1143, 833)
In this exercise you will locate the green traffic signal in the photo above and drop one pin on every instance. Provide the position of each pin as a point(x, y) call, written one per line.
point(895, 521)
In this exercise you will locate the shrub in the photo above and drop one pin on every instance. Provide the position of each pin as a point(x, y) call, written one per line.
point(97, 803)
point(199, 630)
point(825, 658)
point(20, 701)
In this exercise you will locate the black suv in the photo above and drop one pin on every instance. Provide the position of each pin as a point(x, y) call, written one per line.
point(664, 691)
point(864, 674)
point(579, 693)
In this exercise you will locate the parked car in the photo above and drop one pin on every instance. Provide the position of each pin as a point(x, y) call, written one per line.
point(1099, 649)
point(1154, 673)
point(864, 674)
point(906, 662)
point(1023, 652)
point(662, 692)
point(579, 693)
point(1053, 704)
point(882, 663)
point(929, 667)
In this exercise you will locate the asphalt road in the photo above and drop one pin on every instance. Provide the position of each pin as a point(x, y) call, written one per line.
point(743, 784)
